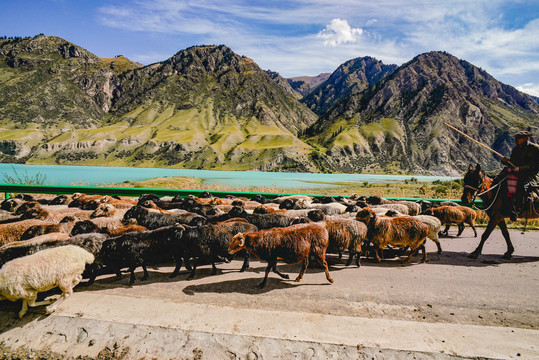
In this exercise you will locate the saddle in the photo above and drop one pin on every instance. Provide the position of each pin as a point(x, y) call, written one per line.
point(512, 183)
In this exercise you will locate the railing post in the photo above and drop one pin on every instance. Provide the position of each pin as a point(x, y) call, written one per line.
point(6, 196)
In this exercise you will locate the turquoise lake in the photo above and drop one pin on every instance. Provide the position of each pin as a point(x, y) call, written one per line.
point(62, 175)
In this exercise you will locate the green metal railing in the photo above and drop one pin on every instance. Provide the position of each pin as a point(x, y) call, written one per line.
point(121, 191)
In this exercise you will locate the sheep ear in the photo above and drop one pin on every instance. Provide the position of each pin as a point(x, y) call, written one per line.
point(478, 167)
point(470, 167)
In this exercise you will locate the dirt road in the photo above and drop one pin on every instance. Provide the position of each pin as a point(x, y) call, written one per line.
point(451, 307)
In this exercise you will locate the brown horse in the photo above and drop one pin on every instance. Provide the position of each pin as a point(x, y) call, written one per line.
point(496, 205)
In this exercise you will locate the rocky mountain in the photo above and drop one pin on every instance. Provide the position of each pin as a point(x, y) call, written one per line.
point(397, 123)
point(285, 84)
point(305, 84)
point(352, 77)
point(209, 108)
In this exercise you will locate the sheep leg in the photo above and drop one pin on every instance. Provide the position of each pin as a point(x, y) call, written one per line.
point(303, 269)
point(92, 274)
point(350, 258)
point(118, 273)
point(193, 270)
point(245, 265)
point(461, 229)
point(187, 264)
point(412, 252)
point(284, 276)
point(322, 260)
point(145, 276)
point(378, 255)
point(177, 268)
point(55, 304)
point(213, 267)
point(24, 308)
point(472, 224)
point(446, 230)
point(268, 268)
point(438, 245)
point(34, 303)
point(340, 256)
point(424, 252)
point(132, 277)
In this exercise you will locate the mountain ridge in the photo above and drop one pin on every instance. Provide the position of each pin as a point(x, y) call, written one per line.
point(207, 107)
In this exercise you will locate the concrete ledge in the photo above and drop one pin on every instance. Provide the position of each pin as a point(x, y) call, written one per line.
point(87, 324)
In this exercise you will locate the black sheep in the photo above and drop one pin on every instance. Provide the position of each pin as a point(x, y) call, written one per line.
point(153, 220)
point(210, 241)
point(140, 249)
point(261, 221)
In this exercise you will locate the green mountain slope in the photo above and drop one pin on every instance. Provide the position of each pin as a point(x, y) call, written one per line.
point(205, 107)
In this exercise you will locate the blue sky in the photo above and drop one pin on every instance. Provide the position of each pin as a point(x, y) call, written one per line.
point(296, 37)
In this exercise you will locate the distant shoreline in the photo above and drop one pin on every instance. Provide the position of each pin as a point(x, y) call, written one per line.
point(64, 175)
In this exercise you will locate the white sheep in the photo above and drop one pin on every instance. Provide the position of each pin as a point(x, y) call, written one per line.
point(401, 208)
point(435, 226)
point(23, 278)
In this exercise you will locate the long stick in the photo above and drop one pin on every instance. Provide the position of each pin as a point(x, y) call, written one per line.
point(477, 142)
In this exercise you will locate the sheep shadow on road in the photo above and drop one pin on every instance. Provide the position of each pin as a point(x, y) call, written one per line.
point(9, 315)
point(452, 258)
point(249, 286)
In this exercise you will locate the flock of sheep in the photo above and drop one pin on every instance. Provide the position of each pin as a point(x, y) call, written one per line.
point(56, 242)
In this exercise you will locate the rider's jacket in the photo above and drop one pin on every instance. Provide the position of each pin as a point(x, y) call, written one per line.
point(526, 158)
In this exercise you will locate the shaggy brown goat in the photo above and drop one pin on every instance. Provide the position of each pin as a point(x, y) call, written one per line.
point(398, 231)
point(454, 214)
point(291, 244)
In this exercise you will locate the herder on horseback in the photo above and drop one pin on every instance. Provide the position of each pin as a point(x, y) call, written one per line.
point(524, 163)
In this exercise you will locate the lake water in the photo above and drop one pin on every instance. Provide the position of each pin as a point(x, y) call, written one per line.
point(63, 175)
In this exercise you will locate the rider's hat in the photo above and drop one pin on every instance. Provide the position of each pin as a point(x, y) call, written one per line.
point(522, 134)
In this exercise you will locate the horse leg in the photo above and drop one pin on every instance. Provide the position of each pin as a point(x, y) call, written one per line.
point(490, 227)
point(505, 233)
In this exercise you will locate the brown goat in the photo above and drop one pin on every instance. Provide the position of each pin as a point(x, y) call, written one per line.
point(264, 209)
point(346, 234)
point(291, 244)
point(454, 214)
point(399, 231)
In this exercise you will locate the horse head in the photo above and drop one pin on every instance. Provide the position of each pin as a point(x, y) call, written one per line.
point(474, 182)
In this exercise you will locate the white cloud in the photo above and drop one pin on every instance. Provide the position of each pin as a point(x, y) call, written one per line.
point(339, 32)
point(529, 88)
point(286, 36)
